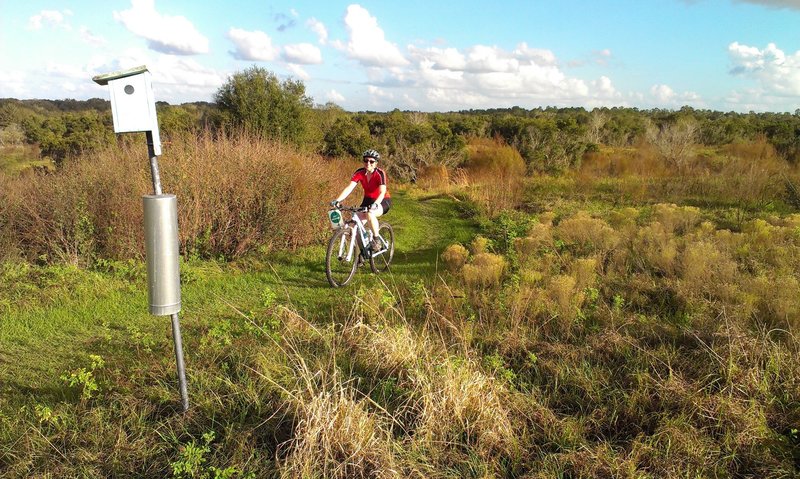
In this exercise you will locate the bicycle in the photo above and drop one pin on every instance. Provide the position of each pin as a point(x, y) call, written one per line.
point(342, 260)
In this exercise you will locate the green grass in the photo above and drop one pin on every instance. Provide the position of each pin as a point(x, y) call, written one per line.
point(54, 317)
point(637, 373)
point(14, 159)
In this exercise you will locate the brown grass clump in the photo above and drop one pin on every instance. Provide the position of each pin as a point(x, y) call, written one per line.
point(585, 272)
point(707, 271)
point(655, 249)
point(566, 297)
point(479, 244)
point(454, 257)
point(485, 270)
point(586, 234)
point(337, 437)
point(389, 349)
point(539, 236)
point(676, 219)
point(460, 405)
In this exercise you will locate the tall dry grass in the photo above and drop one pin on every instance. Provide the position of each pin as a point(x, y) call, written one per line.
point(235, 193)
point(749, 174)
point(495, 173)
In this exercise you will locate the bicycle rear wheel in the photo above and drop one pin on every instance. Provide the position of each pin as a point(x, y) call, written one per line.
point(380, 262)
point(338, 269)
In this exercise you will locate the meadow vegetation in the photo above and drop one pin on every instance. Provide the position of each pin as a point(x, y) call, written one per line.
point(574, 294)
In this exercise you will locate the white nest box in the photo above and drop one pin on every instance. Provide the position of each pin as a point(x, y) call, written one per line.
point(133, 105)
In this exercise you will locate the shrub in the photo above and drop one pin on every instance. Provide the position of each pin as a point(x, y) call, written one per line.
point(454, 257)
point(496, 170)
point(676, 219)
point(567, 299)
point(479, 244)
point(655, 249)
point(485, 270)
point(586, 234)
point(234, 194)
point(705, 270)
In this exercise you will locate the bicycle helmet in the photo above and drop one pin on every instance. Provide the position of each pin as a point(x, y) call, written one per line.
point(372, 154)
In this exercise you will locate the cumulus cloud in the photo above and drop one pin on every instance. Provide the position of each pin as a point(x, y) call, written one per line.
point(303, 54)
point(319, 29)
point(662, 93)
point(776, 72)
point(166, 34)
point(298, 71)
point(664, 96)
point(367, 42)
point(485, 76)
point(536, 55)
point(252, 46)
point(49, 18)
point(335, 96)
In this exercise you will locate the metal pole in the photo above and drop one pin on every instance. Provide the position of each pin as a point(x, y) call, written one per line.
point(153, 164)
point(176, 338)
point(176, 325)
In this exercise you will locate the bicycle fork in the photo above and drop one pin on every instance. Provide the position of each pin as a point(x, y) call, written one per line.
point(350, 247)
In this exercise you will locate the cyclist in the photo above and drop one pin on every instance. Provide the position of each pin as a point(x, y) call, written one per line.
point(376, 195)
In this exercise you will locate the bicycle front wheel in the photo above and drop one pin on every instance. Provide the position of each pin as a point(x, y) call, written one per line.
point(338, 268)
point(380, 262)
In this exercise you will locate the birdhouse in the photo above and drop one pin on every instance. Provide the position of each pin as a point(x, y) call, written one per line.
point(133, 105)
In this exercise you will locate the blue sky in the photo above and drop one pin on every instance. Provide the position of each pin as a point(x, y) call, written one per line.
point(728, 55)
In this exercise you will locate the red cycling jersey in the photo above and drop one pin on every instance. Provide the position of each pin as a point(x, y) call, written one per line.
point(372, 186)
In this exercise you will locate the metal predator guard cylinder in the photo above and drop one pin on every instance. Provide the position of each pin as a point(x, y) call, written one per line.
point(161, 246)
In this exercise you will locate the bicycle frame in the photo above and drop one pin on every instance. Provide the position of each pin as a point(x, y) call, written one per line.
point(358, 230)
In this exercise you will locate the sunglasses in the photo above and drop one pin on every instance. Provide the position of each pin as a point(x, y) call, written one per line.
point(370, 161)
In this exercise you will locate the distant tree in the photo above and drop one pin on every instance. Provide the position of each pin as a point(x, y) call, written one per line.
point(255, 99)
point(175, 119)
point(674, 141)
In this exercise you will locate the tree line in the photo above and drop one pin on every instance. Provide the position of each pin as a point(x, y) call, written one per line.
point(549, 139)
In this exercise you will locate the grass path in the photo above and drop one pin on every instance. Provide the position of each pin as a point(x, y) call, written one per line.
point(52, 318)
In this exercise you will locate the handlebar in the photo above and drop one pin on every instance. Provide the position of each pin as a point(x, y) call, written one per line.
point(352, 209)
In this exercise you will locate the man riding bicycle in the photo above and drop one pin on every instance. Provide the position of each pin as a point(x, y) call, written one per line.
point(376, 195)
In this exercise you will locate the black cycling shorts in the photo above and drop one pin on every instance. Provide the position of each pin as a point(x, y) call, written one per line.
point(385, 204)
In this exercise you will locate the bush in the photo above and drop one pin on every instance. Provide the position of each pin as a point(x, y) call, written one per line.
point(454, 257)
point(496, 171)
point(234, 194)
point(485, 270)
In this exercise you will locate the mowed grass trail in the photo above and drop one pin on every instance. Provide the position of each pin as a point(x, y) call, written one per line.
point(53, 318)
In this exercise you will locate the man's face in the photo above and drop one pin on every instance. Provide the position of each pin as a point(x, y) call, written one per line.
point(370, 164)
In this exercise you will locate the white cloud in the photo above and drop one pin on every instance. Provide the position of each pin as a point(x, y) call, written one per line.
point(252, 46)
point(319, 29)
point(335, 96)
point(302, 53)
point(536, 55)
point(13, 82)
point(484, 59)
point(664, 96)
point(776, 72)
point(489, 76)
point(367, 42)
point(662, 93)
point(166, 34)
point(50, 18)
point(90, 38)
point(298, 71)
